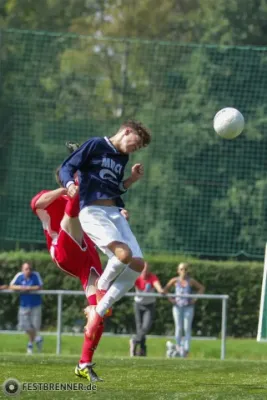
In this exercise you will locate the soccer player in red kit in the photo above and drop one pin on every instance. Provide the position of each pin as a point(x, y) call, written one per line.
point(74, 253)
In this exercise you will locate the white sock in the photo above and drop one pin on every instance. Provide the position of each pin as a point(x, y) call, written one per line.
point(117, 290)
point(83, 365)
point(38, 339)
point(113, 268)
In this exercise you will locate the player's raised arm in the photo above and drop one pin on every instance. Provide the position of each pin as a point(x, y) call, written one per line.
point(137, 173)
point(45, 198)
point(76, 161)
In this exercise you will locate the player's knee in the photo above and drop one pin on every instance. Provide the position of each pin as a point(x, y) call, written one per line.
point(121, 251)
point(125, 255)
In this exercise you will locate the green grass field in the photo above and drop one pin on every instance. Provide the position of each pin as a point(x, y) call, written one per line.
point(201, 377)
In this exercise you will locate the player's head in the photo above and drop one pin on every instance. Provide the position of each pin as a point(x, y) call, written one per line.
point(131, 137)
point(182, 269)
point(26, 269)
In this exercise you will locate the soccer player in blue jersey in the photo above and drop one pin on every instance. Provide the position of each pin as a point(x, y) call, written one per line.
point(100, 163)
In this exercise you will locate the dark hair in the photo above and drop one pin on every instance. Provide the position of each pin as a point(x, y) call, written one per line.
point(140, 130)
point(57, 176)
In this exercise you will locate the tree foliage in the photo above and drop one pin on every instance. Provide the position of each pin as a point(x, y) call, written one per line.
point(199, 194)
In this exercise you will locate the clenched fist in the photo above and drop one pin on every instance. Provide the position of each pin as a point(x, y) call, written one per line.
point(73, 190)
point(137, 172)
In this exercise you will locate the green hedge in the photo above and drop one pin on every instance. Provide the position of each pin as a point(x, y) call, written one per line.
point(240, 280)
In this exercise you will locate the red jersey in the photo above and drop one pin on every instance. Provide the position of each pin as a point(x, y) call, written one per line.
point(50, 217)
point(145, 286)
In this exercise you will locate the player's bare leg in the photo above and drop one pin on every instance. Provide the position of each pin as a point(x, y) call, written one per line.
point(70, 222)
point(32, 334)
point(73, 227)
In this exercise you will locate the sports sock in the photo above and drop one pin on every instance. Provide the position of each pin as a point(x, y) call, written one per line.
point(83, 365)
point(119, 287)
point(92, 300)
point(72, 208)
point(98, 335)
point(38, 339)
point(113, 268)
point(89, 347)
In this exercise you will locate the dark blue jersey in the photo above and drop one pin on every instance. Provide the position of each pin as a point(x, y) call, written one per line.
point(100, 169)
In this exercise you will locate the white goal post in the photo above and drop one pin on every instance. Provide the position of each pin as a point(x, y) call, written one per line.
point(60, 293)
point(262, 325)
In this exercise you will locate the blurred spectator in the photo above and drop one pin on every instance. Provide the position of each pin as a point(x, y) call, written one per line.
point(30, 310)
point(183, 308)
point(144, 308)
point(2, 286)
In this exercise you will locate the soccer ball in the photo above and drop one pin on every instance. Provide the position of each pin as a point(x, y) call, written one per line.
point(228, 123)
point(171, 351)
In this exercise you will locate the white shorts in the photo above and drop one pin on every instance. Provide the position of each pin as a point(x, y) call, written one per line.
point(30, 318)
point(105, 225)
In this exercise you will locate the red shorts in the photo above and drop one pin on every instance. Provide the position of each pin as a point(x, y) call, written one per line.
point(75, 260)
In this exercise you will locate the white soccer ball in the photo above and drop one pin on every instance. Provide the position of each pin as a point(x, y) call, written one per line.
point(228, 123)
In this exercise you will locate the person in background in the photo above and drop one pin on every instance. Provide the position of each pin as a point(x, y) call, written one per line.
point(30, 310)
point(144, 309)
point(183, 308)
point(2, 286)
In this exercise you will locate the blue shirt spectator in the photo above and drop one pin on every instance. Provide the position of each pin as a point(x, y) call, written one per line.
point(28, 281)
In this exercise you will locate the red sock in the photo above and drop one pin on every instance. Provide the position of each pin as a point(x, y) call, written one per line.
point(89, 346)
point(72, 208)
point(92, 300)
point(98, 335)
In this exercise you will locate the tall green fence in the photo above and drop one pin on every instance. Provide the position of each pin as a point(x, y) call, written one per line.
point(200, 194)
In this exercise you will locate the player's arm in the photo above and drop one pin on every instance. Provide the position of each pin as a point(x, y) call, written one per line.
point(198, 286)
point(125, 214)
point(169, 285)
point(137, 173)
point(47, 198)
point(158, 287)
point(18, 288)
point(76, 161)
point(33, 288)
